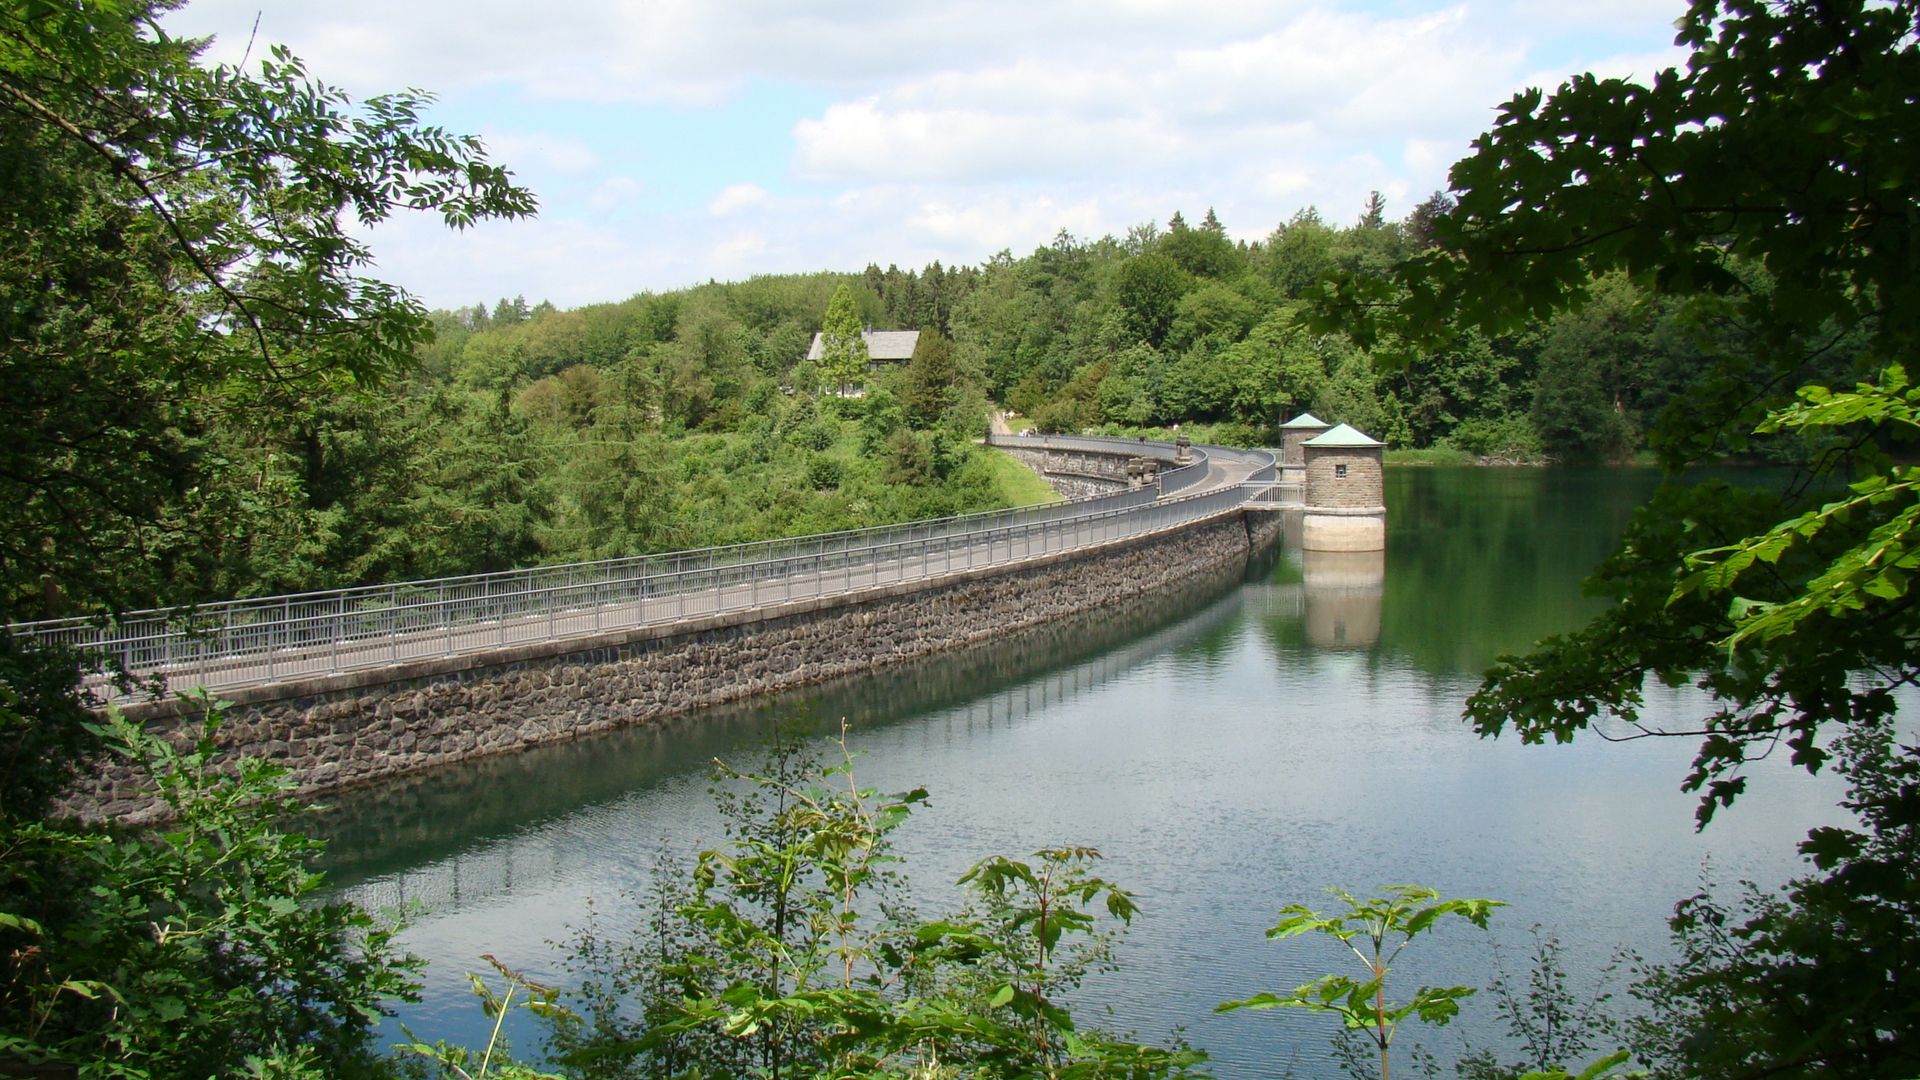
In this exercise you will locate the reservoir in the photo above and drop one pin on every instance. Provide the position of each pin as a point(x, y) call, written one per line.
point(1230, 749)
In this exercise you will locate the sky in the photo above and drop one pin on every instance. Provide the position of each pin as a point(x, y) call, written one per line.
point(675, 141)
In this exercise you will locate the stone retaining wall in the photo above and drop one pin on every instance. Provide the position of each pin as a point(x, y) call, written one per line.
point(360, 734)
point(1101, 477)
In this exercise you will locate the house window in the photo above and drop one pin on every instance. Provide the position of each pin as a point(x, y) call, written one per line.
point(1340, 469)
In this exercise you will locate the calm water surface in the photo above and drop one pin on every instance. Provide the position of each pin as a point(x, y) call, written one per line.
point(1232, 749)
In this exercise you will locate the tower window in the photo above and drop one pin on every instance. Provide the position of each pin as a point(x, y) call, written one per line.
point(1340, 469)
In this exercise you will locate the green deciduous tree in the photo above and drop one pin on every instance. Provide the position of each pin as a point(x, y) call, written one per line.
point(1002, 329)
point(184, 270)
point(1297, 254)
point(1818, 980)
point(1147, 288)
point(791, 955)
point(1203, 252)
point(1276, 368)
point(1213, 310)
point(1786, 144)
point(183, 244)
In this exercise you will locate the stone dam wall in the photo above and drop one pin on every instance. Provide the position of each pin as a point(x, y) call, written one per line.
point(336, 733)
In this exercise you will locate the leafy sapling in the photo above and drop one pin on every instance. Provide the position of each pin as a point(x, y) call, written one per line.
point(1375, 930)
point(456, 1062)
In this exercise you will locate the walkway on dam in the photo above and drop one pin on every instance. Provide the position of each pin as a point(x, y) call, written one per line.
point(299, 642)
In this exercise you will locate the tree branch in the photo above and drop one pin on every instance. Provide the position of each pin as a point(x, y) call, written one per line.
point(125, 168)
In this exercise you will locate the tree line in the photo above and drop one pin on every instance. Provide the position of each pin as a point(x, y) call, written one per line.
point(1182, 325)
point(517, 435)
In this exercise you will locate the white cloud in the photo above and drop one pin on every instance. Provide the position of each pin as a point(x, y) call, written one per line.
point(740, 249)
point(1432, 158)
point(1283, 183)
point(1639, 66)
point(1000, 222)
point(615, 194)
point(947, 131)
point(1577, 16)
point(859, 142)
point(690, 51)
point(735, 198)
point(542, 152)
point(1318, 77)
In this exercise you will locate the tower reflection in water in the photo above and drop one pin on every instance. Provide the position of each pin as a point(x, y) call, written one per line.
point(1334, 595)
point(1342, 591)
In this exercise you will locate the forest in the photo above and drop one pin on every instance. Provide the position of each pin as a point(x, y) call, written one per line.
point(524, 434)
point(1170, 326)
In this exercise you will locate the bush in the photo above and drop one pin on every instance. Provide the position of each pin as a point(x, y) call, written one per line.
point(787, 953)
point(825, 473)
point(1509, 438)
point(196, 950)
point(819, 435)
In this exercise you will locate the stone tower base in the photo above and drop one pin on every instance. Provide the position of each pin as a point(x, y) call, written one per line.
point(1343, 530)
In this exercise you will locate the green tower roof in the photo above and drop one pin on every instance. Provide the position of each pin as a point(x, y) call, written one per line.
point(1343, 436)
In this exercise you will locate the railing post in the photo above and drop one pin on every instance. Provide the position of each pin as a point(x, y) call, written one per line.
point(286, 611)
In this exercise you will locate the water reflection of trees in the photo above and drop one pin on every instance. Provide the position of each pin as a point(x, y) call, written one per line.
point(1487, 561)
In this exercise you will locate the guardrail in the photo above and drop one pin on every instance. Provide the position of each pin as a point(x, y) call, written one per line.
point(1263, 484)
point(244, 643)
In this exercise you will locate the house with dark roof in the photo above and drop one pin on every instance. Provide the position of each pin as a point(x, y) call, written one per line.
point(883, 347)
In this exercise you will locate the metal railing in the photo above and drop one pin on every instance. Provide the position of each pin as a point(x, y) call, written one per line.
point(244, 643)
point(1265, 486)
